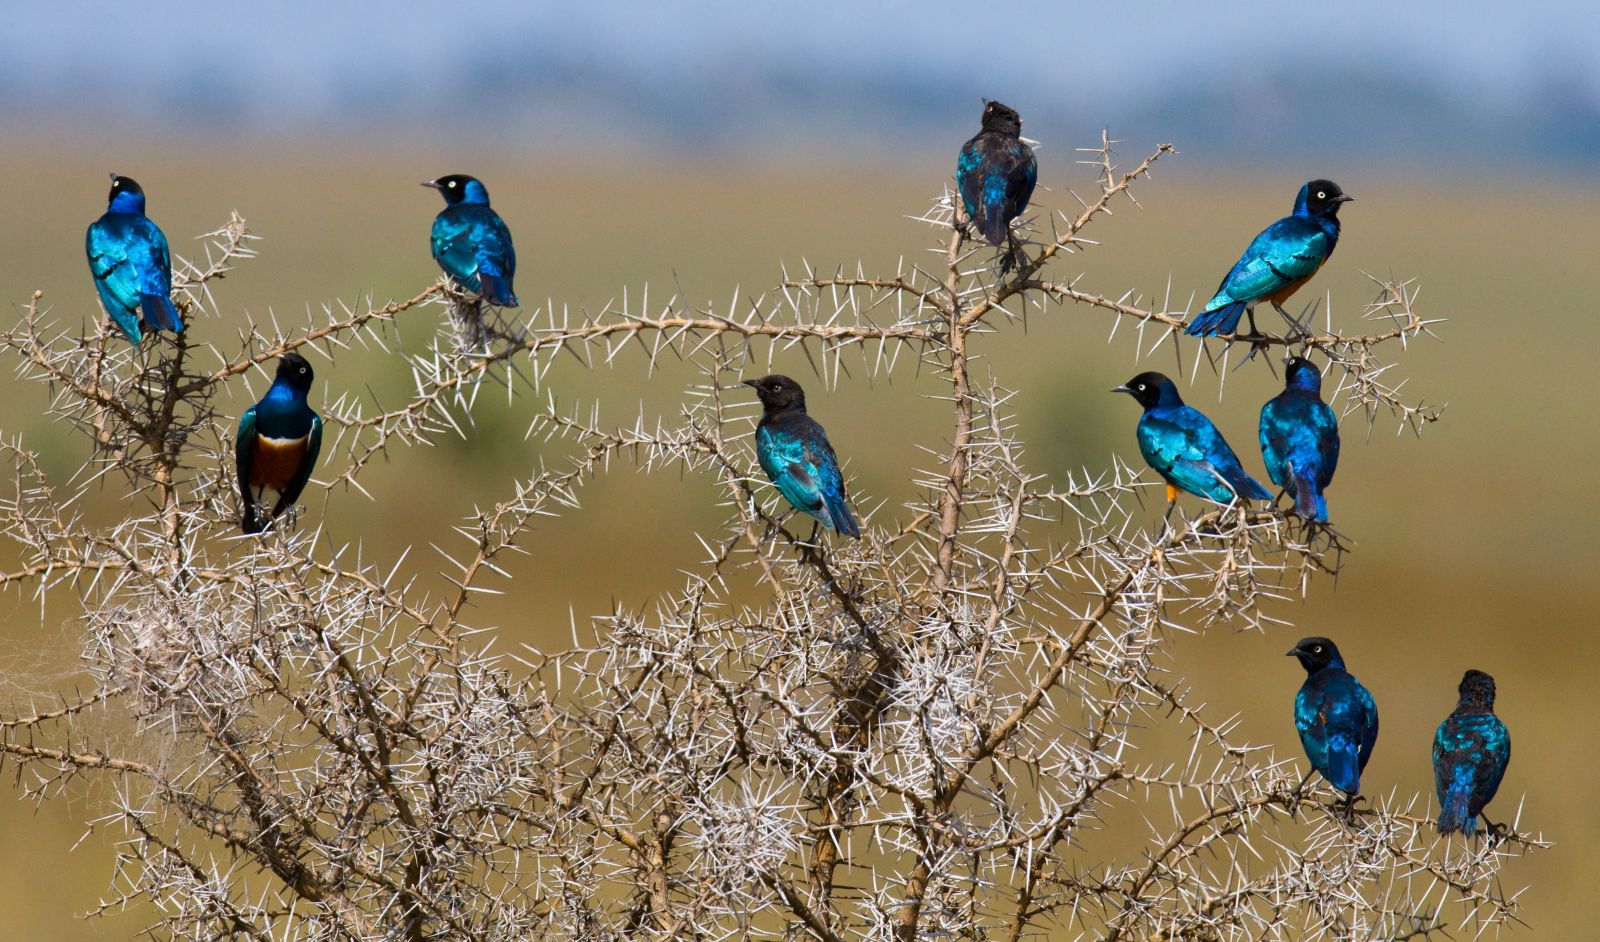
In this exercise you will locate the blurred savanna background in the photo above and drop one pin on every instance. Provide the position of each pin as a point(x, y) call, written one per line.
point(642, 151)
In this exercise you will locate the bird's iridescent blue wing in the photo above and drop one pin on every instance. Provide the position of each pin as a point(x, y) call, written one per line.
point(799, 460)
point(1326, 425)
point(453, 249)
point(968, 179)
point(495, 257)
point(1188, 450)
point(115, 280)
point(1021, 180)
point(824, 466)
point(1175, 445)
point(1498, 744)
point(1365, 714)
point(1310, 721)
point(1273, 432)
point(1442, 747)
point(244, 451)
point(153, 261)
point(783, 457)
point(1288, 251)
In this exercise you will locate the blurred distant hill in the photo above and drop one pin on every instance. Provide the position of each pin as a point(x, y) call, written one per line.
point(577, 102)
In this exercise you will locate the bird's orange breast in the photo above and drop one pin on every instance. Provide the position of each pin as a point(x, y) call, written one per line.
point(276, 461)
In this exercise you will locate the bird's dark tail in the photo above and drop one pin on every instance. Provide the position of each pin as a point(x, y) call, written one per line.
point(995, 225)
point(1223, 320)
point(128, 323)
point(1309, 502)
point(160, 313)
point(1453, 814)
point(1248, 487)
point(843, 521)
point(497, 290)
point(1344, 769)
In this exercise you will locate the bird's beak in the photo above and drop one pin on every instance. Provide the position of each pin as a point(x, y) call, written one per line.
point(113, 176)
point(1344, 198)
point(749, 382)
point(1294, 653)
point(1121, 389)
point(1288, 358)
point(431, 184)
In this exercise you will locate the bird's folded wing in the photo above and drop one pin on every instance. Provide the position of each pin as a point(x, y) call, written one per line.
point(967, 177)
point(244, 450)
point(799, 485)
point(155, 275)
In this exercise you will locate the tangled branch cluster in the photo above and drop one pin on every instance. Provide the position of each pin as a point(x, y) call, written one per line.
point(917, 736)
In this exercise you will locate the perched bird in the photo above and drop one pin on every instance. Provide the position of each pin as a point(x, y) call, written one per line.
point(1182, 445)
point(1300, 439)
point(1336, 716)
point(277, 444)
point(795, 453)
point(131, 266)
point(996, 173)
point(1281, 259)
point(1470, 754)
point(471, 242)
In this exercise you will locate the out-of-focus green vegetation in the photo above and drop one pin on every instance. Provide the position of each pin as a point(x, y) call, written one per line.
point(1475, 544)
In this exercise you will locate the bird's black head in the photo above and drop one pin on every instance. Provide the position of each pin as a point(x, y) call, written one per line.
point(1477, 691)
point(1300, 373)
point(778, 393)
point(1321, 198)
point(458, 187)
point(1316, 654)
point(126, 195)
point(998, 117)
point(1151, 389)
point(294, 371)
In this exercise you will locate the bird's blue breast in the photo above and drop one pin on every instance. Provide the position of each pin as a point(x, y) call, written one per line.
point(283, 414)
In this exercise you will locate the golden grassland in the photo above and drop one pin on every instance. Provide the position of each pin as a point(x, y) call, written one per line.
point(1475, 543)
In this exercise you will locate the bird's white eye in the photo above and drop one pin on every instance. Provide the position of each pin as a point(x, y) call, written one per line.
point(302, 370)
point(451, 184)
point(1316, 649)
point(1321, 195)
point(1141, 387)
